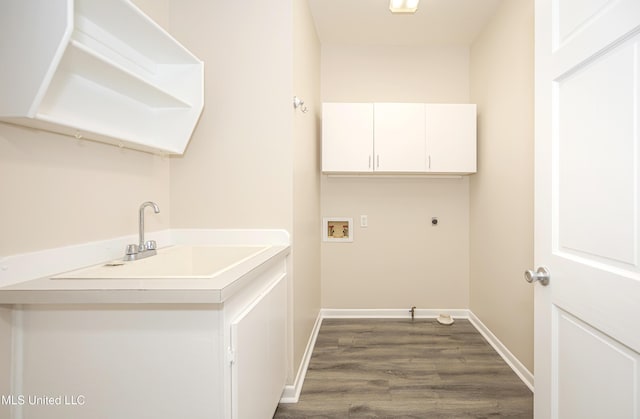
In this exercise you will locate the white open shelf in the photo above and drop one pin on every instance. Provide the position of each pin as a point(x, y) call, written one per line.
point(100, 70)
point(90, 65)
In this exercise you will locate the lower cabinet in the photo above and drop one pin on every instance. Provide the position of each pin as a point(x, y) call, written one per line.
point(163, 361)
point(258, 349)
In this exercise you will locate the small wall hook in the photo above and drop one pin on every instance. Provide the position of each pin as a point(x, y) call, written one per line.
point(299, 103)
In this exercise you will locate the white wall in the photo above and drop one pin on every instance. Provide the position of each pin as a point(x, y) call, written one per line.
point(395, 74)
point(306, 178)
point(501, 197)
point(58, 191)
point(237, 170)
point(253, 160)
point(399, 260)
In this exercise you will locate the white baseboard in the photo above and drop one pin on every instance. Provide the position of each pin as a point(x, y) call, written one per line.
point(291, 393)
point(338, 313)
point(521, 371)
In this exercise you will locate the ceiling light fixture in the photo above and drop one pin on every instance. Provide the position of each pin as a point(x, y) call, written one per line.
point(403, 6)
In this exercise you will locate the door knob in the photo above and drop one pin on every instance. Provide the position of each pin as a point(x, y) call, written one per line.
point(541, 274)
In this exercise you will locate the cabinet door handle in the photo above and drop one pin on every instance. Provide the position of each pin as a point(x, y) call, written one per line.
point(378, 161)
point(369, 161)
point(429, 162)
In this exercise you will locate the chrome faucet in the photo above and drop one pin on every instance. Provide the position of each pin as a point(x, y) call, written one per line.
point(142, 249)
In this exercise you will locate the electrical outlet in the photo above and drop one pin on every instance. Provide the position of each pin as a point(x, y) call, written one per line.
point(364, 221)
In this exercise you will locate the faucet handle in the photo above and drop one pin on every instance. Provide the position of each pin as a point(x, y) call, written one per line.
point(131, 249)
point(151, 245)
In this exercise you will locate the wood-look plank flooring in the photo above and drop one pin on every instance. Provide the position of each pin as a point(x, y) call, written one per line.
point(396, 368)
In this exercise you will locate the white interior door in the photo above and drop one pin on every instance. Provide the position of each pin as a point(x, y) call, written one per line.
point(587, 333)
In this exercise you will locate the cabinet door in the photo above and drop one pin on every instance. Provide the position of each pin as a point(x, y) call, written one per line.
point(451, 138)
point(399, 137)
point(347, 137)
point(259, 341)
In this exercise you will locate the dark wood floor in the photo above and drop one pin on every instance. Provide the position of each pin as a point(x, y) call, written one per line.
point(388, 368)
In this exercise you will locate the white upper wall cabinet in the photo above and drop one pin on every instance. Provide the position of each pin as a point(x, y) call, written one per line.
point(451, 138)
point(398, 138)
point(347, 137)
point(100, 70)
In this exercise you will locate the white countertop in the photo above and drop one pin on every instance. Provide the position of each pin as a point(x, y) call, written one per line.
point(215, 289)
point(91, 285)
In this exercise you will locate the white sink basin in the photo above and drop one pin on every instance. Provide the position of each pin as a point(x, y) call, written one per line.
point(172, 263)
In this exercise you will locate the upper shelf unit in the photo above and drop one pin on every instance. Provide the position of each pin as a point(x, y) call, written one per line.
point(98, 69)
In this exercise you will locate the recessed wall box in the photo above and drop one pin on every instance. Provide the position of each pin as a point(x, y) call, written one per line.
point(337, 229)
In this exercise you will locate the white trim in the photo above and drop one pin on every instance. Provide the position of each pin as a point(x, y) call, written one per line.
point(396, 176)
point(291, 393)
point(340, 313)
point(521, 371)
point(17, 359)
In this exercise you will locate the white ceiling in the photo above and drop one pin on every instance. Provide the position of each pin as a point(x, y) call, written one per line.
point(369, 22)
